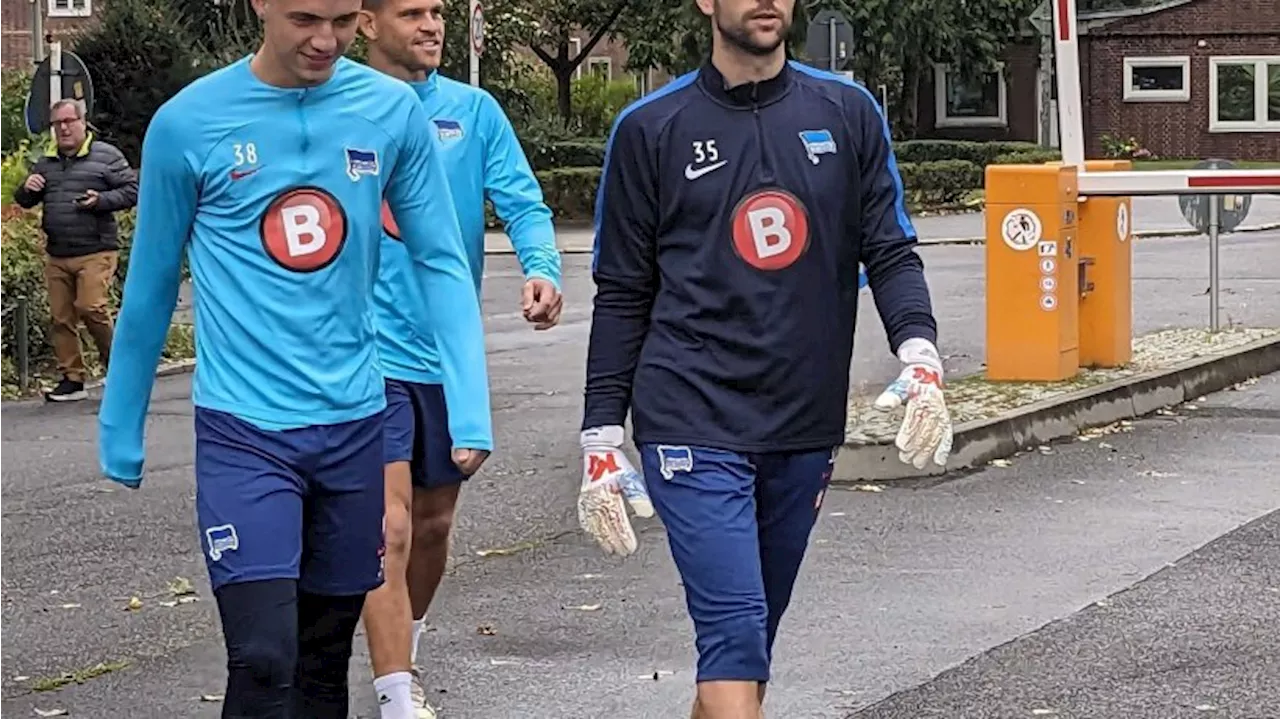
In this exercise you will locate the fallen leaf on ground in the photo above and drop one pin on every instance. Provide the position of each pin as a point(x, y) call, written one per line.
point(52, 712)
point(1001, 463)
point(486, 630)
point(868, 488)
point(133, 605)
point(211, 697)
point(181, 587)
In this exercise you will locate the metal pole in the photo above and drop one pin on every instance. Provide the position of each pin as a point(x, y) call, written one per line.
point(37, 31)
point(1214, 201)
point(831, 44)
point(55, 72)
point(471, 43)
point(20, 328)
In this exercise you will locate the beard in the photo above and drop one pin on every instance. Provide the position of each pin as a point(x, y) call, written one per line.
point(740, 37)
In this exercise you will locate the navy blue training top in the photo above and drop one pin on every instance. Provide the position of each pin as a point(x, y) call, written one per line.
point(729, 227)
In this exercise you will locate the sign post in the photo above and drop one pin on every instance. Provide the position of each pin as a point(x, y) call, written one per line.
point(476, 15)
point(60, 76)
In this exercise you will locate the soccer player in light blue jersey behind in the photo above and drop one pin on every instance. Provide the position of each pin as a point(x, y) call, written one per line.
point(483, 159)
point(269, 176)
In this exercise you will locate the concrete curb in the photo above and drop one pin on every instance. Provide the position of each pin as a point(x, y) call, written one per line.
point(980, 441)
point(942, 241)
point(166, 369)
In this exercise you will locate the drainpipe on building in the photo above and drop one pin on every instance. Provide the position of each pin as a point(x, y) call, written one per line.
point(37, 32)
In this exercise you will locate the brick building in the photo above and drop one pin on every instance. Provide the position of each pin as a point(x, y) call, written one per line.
point(1188, 78)
point(1185, 78)
point(61, 18)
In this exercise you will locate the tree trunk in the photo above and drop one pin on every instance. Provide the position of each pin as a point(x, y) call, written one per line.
point(564, 92)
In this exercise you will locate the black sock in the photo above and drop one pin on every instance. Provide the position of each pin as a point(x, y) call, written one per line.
point(260, 624)
point(326, 628)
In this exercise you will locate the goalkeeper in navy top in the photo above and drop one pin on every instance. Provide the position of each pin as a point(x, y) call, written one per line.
point(268, 176)
point(735, 206)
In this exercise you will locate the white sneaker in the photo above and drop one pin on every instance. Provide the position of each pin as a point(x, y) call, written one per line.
point(418, 694)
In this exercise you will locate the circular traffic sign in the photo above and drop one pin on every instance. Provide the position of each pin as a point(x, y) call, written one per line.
point(477, 29)
point(1232, 209)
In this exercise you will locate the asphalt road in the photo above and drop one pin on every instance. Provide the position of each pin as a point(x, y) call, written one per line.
point(900, 586)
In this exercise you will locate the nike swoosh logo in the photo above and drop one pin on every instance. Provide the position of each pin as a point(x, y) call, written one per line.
point(692, 174)
point(241, 174)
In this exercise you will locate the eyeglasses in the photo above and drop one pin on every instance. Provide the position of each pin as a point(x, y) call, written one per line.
point(68, 122)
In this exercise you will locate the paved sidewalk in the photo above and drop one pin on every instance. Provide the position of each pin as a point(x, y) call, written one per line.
point(1151, 214)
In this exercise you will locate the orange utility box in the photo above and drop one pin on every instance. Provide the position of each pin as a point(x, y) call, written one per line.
point(1106, 277)
point(1032, 273)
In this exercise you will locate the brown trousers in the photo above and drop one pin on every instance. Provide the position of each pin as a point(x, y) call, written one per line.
point(78, 290)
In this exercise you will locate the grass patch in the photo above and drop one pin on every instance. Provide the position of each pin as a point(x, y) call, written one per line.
point(1189, 164)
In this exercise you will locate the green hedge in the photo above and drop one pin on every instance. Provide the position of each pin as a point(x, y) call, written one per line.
point(570, 192)
point(571, 153)
point(979, 153)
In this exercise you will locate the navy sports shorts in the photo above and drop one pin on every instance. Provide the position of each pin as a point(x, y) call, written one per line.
point(302, 504)
point(416, 431)
point(738, 525)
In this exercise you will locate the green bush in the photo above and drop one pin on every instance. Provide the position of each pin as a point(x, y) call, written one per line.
point(142, 55)
point(571, 153)
point(570, 192)
point(940, 182)
point(1028, 157)
point(979, 153)
point(14, 85)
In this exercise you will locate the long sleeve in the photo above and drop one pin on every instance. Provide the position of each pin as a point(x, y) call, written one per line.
point(894, 270)
point(123, 182)
point(25, 198)
point(419, 198)
point(624, 268)
point(510, 183)
point(167, 209)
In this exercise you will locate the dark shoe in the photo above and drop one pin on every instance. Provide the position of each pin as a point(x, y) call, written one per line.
point(67, 391)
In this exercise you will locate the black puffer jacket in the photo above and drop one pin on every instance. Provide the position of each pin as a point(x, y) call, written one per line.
point(70, 230)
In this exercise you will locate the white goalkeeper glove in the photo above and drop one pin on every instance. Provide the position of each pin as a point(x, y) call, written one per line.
point(608, 478)
point(926, 427)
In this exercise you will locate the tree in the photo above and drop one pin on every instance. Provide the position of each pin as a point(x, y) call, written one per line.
point(140, 56)
point(558, 19)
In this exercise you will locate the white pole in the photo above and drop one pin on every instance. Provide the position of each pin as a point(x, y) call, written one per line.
point(1067, 54)
point(55, 72)
point(474, 13)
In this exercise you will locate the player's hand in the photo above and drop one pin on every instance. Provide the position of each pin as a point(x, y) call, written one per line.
point(926, 431)
point(88, 201)
point(542, 303)
point(120, 457)
point(609, 483)
point(34, 183)
point(469, 460)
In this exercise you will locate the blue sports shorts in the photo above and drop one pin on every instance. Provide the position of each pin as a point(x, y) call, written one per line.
point(417, 431)
point(738, 525)
point(302, 504)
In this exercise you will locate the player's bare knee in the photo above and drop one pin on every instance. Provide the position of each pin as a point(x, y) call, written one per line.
point(432, 528)
point(398, 532)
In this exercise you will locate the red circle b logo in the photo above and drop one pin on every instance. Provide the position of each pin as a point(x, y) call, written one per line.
point(770, 229)
point(304, 229)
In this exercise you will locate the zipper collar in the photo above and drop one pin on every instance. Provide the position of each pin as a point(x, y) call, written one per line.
point(748, 94)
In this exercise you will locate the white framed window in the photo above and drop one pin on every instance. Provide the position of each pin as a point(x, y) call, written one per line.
point(575, 48)
point(1244, 94)
point(1157, 79)
point(976, 103)
point(70, 8)
point(601, 67)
